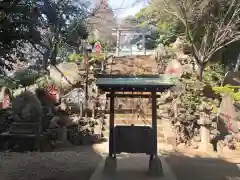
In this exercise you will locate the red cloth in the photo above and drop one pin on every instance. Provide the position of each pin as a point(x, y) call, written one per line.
point(52, 92)
point(6, 102)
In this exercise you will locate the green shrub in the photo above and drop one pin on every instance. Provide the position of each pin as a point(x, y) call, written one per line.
point(80, 57)
point(8, 82)
point(75, 57)
point(26, 77)
point(228, 89)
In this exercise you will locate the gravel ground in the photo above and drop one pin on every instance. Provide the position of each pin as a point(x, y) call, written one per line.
point(66, 164)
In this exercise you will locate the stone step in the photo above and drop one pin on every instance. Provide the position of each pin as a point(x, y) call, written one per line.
point(161, 141)
point(147, 121)
point(160, 134)
point(133, 121)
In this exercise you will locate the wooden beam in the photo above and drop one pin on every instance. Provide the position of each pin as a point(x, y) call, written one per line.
point(133, 121)
point(133, 95)
point(120, 111)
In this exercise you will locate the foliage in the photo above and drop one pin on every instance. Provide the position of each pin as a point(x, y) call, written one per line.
point(43, 81)
point(61, 22)
point(18, 25)
point(192, 96)
point(210, 25)
point(95, 57)
point(168, 27)
point(27, 77)
point(228, 89)
point(80, 57)
point(46, 24)
point(193, 100)
point(214, 74)
point(8, 82)
point(75, 57)
point(144, 27)
point(76, 31)
point(169, 31)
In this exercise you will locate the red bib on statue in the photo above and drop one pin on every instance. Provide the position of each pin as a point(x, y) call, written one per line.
point(6, 101)
point(52, 93)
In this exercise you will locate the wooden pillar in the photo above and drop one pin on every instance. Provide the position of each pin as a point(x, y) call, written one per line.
point(118, 42)
point(111, 126)
point(154, 121)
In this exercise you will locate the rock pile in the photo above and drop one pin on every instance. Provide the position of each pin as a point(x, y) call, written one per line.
point(185, 106)
point(65, 75)
point(58, 117)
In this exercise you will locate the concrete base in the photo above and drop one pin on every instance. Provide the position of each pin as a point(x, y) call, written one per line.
point(155, 167)
point(130, 167)
point(110, 166)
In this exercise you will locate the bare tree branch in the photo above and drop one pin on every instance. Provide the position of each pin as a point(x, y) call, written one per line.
point(210, 24)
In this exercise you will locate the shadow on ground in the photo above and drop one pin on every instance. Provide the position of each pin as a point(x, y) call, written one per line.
point(199, 168)
point(66, 163)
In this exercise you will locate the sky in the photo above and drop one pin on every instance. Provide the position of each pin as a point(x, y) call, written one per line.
point(124, 8)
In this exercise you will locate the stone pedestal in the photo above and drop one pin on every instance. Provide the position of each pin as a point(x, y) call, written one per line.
point(205, 133)
point(155, 168)
point(62, 133)
point(110, 166)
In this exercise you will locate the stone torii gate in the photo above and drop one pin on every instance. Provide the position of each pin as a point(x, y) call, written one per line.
point(122, 31)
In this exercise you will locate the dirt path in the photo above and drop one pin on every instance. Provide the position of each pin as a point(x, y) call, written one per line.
point(189, 164)
point(70, 163)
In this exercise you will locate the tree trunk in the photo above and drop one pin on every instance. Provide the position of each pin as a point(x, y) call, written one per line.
point(45, 58)
point(77, 49)
point(54, 54)
point(237, 64)
point(200, 71)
